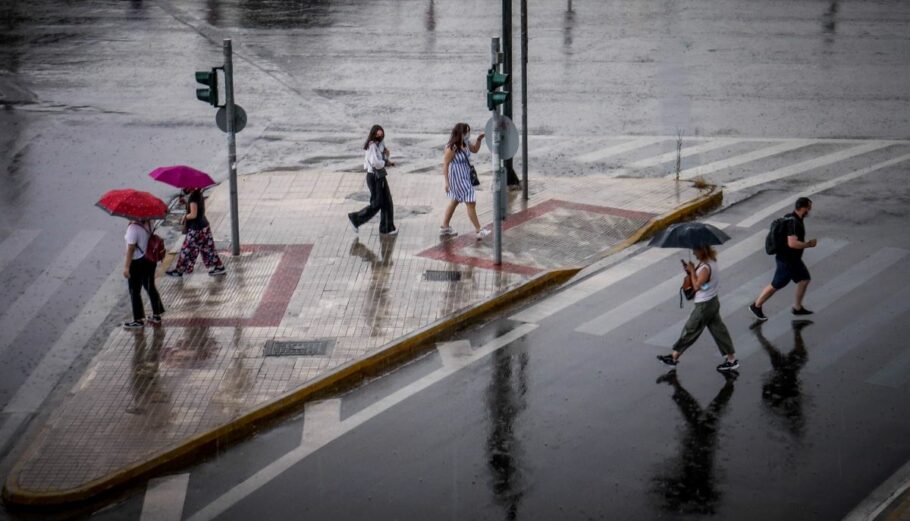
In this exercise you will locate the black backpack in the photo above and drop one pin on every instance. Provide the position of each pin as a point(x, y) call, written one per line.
point(776, 241)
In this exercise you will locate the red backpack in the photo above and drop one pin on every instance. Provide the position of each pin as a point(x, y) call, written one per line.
point(154, 250)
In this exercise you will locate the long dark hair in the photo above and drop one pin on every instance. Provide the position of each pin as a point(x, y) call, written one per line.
point(372, 137)
point(457, 137)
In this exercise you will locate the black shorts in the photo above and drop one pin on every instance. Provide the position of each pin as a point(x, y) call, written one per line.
point(788, 270)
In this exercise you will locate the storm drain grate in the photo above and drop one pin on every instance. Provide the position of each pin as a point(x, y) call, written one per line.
point(296, 347)
point(442, 275)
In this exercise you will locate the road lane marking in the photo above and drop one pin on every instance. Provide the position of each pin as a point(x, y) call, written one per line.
point(455, 354)
point(164, 498)
point(666, 290)
point(735, 301)
point(321, 423)
point(833, 291)
point(855, 333)
point(282, 464)
point(628, 146)
point(814, 189)
point(15, 244)
point(740, 159)
point(805, 166)
point(36, 296)
point(685, 152)
point(584, 289)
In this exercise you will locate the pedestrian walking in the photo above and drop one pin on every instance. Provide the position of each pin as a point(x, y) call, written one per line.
point(705, 281)
point(140, 273)
point(788, 253)
point(375, 160)
point(198, 239)
point(456, 169)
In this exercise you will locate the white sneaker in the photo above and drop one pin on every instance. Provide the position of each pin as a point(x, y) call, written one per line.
point(482, 233)
point(447, 231)
point(392, 233)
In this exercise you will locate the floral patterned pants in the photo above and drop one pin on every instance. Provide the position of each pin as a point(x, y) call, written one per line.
point(196, 242)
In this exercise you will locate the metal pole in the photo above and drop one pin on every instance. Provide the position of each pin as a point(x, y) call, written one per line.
point(524, 99)
point(496, 139)
point(507, 69)
point(232, 145)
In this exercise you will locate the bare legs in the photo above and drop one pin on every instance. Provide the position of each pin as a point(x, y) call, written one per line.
point(472, 214)
point(766, 293)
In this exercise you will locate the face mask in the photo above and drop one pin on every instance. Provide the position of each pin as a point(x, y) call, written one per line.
point(467, 138)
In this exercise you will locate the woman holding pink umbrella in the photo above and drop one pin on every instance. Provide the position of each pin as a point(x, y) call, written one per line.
point(198, 233)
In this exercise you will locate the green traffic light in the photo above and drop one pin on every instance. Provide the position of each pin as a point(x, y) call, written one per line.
point(209, 94)
point(496, 80)
point(494, 99)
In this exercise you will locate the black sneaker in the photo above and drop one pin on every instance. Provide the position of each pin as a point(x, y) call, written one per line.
point(217, 271)
point(759, 314)
point(801, 311)
point(668, 378)
point(173, 273)
point(135, 324)
point(668, 360)
point(728, 365)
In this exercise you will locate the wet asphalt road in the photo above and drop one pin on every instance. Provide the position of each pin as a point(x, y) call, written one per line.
point(97, 94)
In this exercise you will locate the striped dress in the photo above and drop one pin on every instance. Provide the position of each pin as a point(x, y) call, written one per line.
point(460, 187)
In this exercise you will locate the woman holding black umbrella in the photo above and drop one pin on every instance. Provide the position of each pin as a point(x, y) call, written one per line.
point(704, 280)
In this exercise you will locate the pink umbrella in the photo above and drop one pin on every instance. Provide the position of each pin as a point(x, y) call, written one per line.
point(181, 176)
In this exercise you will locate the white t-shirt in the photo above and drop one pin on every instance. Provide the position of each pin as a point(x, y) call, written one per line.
point(374, 157)
point(138, 235)
point(708, 289)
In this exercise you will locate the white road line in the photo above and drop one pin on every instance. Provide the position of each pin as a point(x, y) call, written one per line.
point(666, 290)
point(881, 498)
point(32, 393)
point(455, 354)
point(834, 290)
point(584, 289)
point(15, 244)
point(805, 166)
point(686, 152)
point(857, 332)
point(30, 303)
point(321, 423)
point(164, 498)
point(818, 187)
point(735, 301)
point(740, 159)
point(279, 466)
point(628, 146)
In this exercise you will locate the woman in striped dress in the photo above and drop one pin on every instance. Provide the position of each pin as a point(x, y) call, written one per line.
point(456, 168)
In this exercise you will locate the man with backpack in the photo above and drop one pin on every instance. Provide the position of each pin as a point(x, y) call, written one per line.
point(786, 241)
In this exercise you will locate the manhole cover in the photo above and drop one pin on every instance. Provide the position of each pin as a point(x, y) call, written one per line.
point(442, 276)
point(296, 347)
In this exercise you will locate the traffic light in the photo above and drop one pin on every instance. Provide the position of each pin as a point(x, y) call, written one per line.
point(210, 80)
point(496, 80)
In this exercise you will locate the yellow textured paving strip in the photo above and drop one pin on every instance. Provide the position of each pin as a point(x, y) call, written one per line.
point(367, 296)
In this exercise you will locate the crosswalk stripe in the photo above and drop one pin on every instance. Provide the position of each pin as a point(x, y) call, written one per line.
point(685, 152)
point(805, 166)
point(855, 333)
point(837, 288)
point(282, 464)
point(30, 303)
point(592, 285)
point(816, 188)
point(735, 301)
point(15, 244)
point(895, 374)
point(628, 146)
point(664, 291)
point(164, 498)
point(741, 159)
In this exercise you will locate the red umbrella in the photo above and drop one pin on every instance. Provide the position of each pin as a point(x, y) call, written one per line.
point(181, 176)
point(133, 204)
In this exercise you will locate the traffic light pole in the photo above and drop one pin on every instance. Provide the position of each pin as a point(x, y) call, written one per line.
point(507, 69)
point(232, 144)
point(498, 177)
point(524, 99)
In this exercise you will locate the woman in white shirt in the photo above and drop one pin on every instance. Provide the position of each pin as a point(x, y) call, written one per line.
point(705, 281)
point(375, 159)
point(140, 273)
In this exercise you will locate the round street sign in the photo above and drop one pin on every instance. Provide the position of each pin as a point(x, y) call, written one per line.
point(239, 119)
point(509, 144)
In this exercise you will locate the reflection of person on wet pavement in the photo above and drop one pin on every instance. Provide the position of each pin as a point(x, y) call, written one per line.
point(144, 377)
point(505, 400)
point(689, 486)
point(781, 390)
point(378, 303)
point(376, 158)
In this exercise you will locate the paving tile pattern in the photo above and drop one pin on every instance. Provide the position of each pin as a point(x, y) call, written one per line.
point(304, 275)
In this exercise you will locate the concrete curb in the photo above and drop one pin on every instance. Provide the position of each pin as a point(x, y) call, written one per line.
point(345, 376)
point(890, 495)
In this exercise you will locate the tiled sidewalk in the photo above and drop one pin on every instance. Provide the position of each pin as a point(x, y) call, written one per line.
point(306, 286)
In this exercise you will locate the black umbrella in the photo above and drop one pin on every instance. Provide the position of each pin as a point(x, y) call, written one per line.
point(689, 235)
